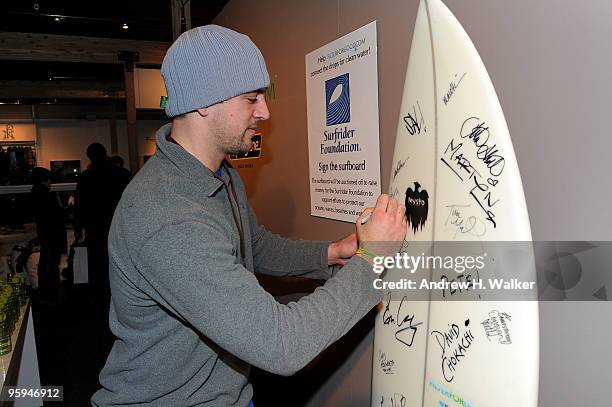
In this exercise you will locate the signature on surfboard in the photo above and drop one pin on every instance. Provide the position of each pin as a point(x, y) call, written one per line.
point(398, 166)
point(470, 225)
point(452, 88)
point(462, 156)
point(404, 321)
point(398, 400)
point(414, 122)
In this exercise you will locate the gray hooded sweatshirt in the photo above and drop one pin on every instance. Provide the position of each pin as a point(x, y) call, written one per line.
point(189, 315)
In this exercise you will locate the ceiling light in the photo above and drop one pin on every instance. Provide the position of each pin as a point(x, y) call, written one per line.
point(125, 26)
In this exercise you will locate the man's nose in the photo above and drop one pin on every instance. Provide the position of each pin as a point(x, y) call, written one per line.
point(261, 111)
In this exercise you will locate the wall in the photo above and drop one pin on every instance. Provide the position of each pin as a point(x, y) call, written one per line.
point(64, 131)
point(68, 139)
point(285, 33)
point(145, 129)
point(549, 61)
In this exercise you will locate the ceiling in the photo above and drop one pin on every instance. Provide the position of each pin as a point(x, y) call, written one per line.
point(145, 20)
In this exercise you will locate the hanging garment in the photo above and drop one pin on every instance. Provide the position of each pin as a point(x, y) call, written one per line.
point(12, 159)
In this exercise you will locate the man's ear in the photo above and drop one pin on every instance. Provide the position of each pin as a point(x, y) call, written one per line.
point(203, 111)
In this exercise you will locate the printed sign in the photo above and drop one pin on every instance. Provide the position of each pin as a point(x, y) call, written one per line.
point(343, 145)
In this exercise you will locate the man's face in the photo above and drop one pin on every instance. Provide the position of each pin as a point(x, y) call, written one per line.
point(235, 121)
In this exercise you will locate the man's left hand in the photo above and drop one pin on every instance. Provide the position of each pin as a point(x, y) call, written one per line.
point(341, 251)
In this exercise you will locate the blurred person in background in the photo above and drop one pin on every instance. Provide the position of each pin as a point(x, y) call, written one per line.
point(51, 229)
point(117, 161)
point(98, 191)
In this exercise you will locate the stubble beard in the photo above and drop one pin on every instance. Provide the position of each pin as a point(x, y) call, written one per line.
point(231, 143)
point(238, 145)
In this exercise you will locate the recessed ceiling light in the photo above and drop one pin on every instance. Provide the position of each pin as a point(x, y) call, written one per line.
point(57, 19)
point(125, 26)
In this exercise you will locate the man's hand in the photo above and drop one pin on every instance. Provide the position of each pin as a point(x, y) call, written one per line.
point(341, 251)
point(384, 233)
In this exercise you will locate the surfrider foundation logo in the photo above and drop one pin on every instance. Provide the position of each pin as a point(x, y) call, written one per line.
point(337, 100)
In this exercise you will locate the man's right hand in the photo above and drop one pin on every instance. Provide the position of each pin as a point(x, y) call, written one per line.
point(384, 233)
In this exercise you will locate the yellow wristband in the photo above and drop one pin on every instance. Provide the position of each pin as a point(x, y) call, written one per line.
point(363, 252)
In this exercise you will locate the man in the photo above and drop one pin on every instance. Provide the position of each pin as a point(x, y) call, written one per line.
point(51, 230)
point(187, 310)
point(97, 194)
point(117, 161)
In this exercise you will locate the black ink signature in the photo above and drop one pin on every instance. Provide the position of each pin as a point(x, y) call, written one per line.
point(497, 325)
point(385, 364)
point(389, 319)
point(485, 202)
point(400, 164)
point(462, 163)
point(398, 400)
point(460, 279)
point(471, 225)
point(488, 202)
point(479, 134)
point(452, 88)
point(454, 158)
point(413, 123)
point(460, 341)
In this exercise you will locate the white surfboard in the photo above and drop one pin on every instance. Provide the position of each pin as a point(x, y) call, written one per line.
point(454, 167)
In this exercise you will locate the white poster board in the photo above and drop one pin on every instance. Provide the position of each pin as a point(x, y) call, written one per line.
point(343, 145)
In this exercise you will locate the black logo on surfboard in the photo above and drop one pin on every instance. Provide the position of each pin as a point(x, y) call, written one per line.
point(417, 206)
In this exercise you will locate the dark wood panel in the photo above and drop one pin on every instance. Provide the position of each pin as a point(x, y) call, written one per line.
point(66, 48)
point(60, 90)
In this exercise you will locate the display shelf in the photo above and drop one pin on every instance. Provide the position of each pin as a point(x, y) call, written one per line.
point(14, 356)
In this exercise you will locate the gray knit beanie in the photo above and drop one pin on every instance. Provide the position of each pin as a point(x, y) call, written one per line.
point(210, 64)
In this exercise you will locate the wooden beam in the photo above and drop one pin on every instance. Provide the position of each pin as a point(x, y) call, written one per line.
point(130, 109)
point(61, 90)
point(112, 123)
point(187, 12)
point(68, 48)
point(180, 9)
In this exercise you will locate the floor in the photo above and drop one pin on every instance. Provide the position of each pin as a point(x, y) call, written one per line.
point(72, 343)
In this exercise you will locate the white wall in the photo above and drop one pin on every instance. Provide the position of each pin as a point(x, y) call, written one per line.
point(68, 139)
point(146, 130)
point(550, 62)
